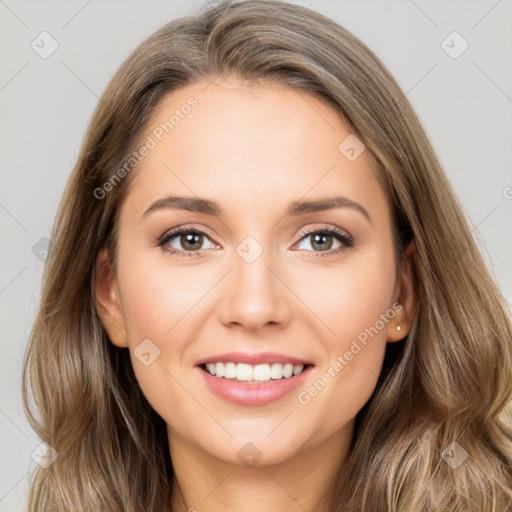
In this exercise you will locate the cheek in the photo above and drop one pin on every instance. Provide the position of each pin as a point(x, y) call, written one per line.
point(349, 299)
point(158, 304)
point(161, 303)
point(150, 303)
point(157, 296)
point(351, 302)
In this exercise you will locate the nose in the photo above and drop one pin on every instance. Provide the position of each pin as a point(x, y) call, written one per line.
point(254, 295)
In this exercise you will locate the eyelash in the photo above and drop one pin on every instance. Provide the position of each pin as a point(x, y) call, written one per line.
point(341, 236)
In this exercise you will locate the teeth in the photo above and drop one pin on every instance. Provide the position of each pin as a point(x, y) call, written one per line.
point(258, 373)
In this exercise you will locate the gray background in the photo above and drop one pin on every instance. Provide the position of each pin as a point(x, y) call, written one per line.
point(465, 104)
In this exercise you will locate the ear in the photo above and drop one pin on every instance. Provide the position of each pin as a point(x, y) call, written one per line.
point(405, 296)
point(108, 301)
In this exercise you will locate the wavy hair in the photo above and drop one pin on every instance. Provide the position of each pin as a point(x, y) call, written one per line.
point(448, 381)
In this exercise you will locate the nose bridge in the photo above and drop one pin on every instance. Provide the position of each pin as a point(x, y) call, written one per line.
point(254, 297)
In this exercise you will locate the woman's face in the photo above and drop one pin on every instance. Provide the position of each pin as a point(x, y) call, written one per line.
point(262, 266)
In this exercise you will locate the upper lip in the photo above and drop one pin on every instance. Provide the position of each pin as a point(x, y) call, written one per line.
point(252, 358)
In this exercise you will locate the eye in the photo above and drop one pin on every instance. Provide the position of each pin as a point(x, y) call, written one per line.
point(324, 240)
point(187, 241)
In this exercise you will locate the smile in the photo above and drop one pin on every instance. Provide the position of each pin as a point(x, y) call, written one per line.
point(277, 381)
point(243, 372)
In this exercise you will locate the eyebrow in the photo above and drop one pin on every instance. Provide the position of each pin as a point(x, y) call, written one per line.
point(294, 208)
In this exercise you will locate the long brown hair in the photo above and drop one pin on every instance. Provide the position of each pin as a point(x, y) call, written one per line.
point(449, 380)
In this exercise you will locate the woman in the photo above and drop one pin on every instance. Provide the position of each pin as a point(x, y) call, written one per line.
point(255, 298)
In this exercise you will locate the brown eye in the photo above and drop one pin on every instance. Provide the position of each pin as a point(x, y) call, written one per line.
point(191, 241)
point(185, 240)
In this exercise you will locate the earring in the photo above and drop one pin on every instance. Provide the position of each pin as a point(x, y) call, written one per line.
point(397, 327)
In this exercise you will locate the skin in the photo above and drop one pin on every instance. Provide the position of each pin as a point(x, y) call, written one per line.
point(253, 149)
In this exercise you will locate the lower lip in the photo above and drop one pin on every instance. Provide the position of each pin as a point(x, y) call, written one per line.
point(252, 394)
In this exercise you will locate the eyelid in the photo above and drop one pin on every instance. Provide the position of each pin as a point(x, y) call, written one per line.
point(334, 230)
point(183, 228)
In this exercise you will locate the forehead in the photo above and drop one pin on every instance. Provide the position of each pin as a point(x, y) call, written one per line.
point(251, 144)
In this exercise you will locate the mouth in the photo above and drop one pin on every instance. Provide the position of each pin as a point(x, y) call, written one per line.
point(253, 374)
point(253, 385)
